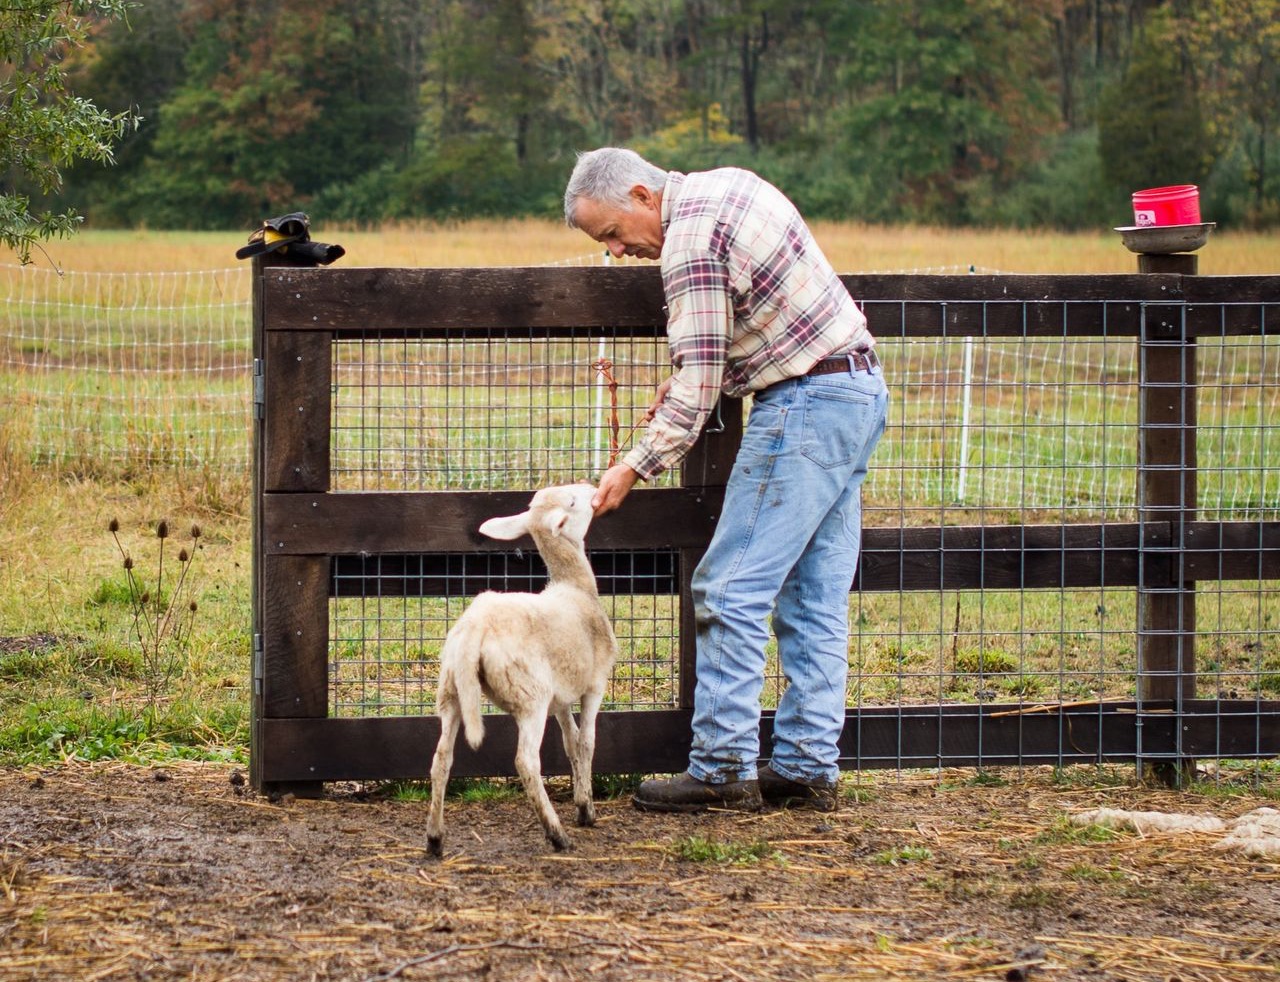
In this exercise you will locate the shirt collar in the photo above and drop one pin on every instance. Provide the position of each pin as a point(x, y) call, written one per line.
point(670, 191)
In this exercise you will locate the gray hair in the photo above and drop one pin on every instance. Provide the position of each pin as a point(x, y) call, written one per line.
point(607, 176)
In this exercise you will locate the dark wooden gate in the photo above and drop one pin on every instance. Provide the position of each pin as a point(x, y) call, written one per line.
point(303, 530)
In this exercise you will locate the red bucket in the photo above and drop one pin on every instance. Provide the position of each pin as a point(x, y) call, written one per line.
point(1178, 204)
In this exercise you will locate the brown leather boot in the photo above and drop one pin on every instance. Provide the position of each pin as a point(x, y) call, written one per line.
point(685, 793)
point(777, 790)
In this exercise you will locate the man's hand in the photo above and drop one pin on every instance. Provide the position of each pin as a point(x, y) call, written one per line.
point(613, 487)
point(619, 479)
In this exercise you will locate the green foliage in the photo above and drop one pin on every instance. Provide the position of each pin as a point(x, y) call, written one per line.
point(950, 100)
point(903, 854)
point(1064, 189)
point(1236, 46)
point(1244, 187)
point(1151, 128)
point(1063, 831)
point(698, 140)
point(131, 65)
point(985, 661)
point(44, 126)
point(275, 102)
point(368, 198)
point(473, 789)
point(463, 177)
point(51, 730)
point(703, 849)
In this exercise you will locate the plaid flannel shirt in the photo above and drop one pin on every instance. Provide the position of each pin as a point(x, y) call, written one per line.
point(751, 300)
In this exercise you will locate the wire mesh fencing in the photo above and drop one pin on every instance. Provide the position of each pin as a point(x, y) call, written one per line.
point(989, 433)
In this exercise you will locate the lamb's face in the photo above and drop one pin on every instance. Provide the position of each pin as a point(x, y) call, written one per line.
point(559, 511)
point(565, 510)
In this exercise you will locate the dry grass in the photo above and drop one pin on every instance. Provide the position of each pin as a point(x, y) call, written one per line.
point(852, 247)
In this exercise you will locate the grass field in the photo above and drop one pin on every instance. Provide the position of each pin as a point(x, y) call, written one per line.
point(75, 679)
point(852, 248)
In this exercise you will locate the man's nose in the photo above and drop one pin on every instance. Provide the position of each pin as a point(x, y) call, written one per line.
point(617, 249)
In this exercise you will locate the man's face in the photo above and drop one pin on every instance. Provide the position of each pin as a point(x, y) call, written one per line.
point(634, 231)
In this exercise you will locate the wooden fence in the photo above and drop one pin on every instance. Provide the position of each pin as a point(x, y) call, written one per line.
point(304, 530)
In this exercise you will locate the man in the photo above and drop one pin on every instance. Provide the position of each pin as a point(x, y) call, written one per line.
point(753, 308)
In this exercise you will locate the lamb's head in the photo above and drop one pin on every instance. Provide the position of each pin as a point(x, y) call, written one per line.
point(559, 511)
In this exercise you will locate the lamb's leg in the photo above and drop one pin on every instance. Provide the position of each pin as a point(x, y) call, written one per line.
point(584, 753)
point(529, 767)
point(572, 749)
point(441, 764)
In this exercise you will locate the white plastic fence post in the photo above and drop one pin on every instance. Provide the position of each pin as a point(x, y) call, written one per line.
point(602, 394)
point(962, 474)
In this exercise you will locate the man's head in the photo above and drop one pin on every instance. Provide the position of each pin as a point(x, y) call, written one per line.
point(615, 196)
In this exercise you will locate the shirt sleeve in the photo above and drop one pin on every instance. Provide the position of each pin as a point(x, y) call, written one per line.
point(699, 320)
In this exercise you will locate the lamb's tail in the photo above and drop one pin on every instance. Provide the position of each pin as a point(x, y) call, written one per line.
point(461, 655)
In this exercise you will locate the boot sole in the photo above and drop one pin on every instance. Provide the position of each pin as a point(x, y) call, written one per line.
point(692, 808)
point(798, 803)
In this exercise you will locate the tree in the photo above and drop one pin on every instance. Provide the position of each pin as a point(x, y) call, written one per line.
point(1152, 130)
point(43, 125)
point(131, 65)
point(279, 101)
point(1238, 57)
point(945, 99)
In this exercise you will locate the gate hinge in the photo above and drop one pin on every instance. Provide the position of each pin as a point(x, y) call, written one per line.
point(259, 390)
point(257, 664)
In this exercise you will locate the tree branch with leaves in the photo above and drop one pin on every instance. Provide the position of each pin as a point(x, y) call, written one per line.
point(43, 125)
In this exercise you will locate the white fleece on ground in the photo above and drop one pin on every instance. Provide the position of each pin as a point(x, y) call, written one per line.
point(1256, 833)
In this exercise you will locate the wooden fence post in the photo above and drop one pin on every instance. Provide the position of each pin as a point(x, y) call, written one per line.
point(1166, 499)
point(292, 372)
point(259, 264)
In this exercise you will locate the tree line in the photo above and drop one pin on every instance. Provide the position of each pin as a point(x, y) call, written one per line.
point(1040, 113)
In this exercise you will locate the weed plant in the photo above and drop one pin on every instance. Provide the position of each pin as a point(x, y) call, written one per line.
point(164, 613)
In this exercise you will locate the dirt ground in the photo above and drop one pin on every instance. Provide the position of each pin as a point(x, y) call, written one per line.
point(124, 872)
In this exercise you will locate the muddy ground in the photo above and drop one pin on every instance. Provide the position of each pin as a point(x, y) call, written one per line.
point(124, 872)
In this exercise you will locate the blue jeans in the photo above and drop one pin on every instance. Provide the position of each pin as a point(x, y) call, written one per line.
point(786, 544)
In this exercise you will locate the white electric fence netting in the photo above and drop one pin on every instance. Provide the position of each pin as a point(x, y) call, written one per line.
point(110, 371)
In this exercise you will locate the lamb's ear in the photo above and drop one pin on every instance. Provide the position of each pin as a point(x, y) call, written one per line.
point(555, 520)
point(508, 527)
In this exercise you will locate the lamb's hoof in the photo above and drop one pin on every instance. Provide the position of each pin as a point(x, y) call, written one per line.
point(435, 845)
point(559, 841)
point(586, 817)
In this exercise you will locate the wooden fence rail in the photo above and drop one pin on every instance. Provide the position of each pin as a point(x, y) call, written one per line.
point(305, 532)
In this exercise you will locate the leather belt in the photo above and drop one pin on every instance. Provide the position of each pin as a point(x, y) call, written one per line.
point(854, 361)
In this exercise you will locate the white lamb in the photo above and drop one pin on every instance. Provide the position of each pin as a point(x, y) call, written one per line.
point(533, 655)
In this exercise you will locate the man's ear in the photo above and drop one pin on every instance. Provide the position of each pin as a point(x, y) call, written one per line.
point(643, 197)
